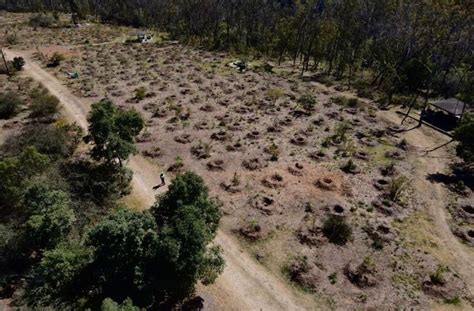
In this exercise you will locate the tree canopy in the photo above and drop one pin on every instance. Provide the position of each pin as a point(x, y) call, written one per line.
point(113, 131)
point(464, 134)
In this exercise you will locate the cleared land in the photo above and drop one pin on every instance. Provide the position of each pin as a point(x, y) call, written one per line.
point(280, 168)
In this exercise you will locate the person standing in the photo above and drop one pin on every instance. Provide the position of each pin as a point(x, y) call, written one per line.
point(162, 177)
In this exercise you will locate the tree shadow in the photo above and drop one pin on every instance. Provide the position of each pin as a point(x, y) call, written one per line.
point(458, 180)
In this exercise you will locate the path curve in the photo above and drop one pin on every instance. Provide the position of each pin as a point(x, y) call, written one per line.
point(462, 256)
point(244, 284)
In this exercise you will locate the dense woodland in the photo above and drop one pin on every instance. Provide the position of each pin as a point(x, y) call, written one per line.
point(65, 238)
point(420, 48)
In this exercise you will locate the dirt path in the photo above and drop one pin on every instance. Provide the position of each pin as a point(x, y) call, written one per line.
point(244, 285)
point(451, 249)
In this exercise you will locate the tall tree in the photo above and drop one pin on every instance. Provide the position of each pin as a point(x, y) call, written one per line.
point(113, 132)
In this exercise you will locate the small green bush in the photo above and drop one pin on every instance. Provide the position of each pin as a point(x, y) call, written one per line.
point(337, 230)
point(12, 39)
point(41, 20)
point(54, 140)
point(307, 102)
point(464, 134)
point(453, 301)
point(9, 104)
point(140, 93)
point(44, 104)
point(55, 60)
point(18, 63)
point(437, 277)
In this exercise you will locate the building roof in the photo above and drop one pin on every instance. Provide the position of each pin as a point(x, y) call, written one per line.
point(450, 105)
point(140, 33)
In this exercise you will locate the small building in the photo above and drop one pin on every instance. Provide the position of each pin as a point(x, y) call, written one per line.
point(444, 113)
point(452, 106)
point(142, 37)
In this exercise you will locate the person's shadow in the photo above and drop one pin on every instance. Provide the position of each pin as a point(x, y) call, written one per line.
point(158, 186)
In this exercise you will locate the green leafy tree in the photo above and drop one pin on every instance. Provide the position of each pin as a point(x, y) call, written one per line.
point(60, 276)
point(113, 132)
point(464, 134)
point(100, 183)
point(110, 305)
point(123, 244)
point(50, 216)
point(17, 171)
point(187, 221)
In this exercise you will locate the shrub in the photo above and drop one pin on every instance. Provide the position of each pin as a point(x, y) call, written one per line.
point(12, 39)
point(15, 173)
point(337, 230)
point(437, 277)
point(140, 93)
point(398, 185)
point(274, 152)
point(344, 101)
point(55, 60)
point(58, 275)
point(41, 20)
point(349, 166)
point(18, 63)
point(50, 216)
point(464, 134)
point(453, 301)
point(274, 94)
point(44, 105)
point(99, 183)
point(55, 140)
point(110, 305)
point(9, 104)
point(307, 102)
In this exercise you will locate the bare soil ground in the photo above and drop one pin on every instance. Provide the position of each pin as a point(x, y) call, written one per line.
point(276, 167)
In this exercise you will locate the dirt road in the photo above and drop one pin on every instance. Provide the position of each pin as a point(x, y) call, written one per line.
point(435, 195)
point(244, 285)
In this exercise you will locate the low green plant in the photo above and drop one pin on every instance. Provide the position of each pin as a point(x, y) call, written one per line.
point(12, 39)
point(274, 152)
point(337, 230)
point(453, 301)
point(333, 278)
point(140, 93)
point(41, 20)
point(398, 185)
point(18, 63)
point(43, 104)
point(437, 277)
point(9, 105)
point(307, 102)
point(274, 94)
point(55, 60)
point(349, 166)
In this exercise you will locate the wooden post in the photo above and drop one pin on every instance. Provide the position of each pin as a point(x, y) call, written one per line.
point(5, 62)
